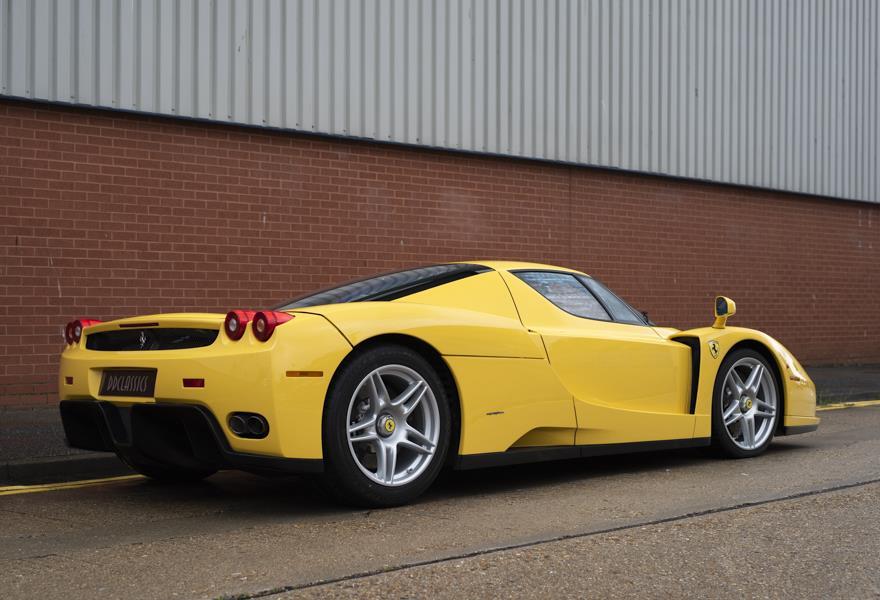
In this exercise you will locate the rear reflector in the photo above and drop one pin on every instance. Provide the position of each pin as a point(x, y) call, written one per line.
point(193, 383)
point(305, 373)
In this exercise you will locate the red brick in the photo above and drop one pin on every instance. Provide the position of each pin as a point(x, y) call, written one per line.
point(181, 205)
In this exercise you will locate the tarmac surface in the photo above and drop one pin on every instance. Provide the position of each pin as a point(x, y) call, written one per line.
point(799, 521)
point(768, 551)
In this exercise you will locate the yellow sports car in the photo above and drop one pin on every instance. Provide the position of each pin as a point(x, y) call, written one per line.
point(378, 384)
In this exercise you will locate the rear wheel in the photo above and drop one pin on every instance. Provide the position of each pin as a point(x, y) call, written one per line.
point(386, 428)
point(746, 405)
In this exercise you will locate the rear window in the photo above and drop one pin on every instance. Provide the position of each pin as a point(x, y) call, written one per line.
point(389, 286)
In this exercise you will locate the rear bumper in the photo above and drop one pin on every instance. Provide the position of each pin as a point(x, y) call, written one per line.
point(237, 376)
point(180, 435)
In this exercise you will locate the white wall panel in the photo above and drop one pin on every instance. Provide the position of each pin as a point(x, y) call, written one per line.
point(779, 94)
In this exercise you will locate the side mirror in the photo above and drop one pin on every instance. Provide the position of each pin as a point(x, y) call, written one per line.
point(724, 308)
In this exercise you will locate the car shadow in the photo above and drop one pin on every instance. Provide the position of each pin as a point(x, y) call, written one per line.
point(263, 499)
point(503, 479)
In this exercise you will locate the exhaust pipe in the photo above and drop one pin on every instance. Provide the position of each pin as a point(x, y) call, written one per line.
point(257, 426)
point(237, 425)
point(248, 425)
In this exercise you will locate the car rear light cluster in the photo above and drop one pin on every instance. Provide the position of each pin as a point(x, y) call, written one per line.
point(73, 330)
point(263, 323)
point(236, 322)
point(266, 322)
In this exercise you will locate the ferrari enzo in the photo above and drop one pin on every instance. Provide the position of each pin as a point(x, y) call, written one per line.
point(375, 386)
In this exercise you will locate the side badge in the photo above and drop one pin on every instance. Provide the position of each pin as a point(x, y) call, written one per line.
point(714, 348)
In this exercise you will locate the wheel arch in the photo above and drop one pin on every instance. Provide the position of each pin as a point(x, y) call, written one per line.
point(434, 358)
point(767, 353)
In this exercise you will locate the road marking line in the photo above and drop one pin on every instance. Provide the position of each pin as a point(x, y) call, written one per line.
point(856, 404)
point(11, 490)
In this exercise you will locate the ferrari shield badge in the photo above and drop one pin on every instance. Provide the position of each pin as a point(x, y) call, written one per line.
point(713, 348)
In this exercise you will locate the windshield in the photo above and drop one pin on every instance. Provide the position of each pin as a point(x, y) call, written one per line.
point(388, 286)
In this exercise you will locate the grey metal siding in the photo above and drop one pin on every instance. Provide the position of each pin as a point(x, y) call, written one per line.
point(780, 94)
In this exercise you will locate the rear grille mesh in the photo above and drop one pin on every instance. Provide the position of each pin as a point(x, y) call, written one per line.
point(143, 339)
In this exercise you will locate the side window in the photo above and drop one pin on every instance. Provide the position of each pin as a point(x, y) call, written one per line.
point(566, 292)
point(620, 310)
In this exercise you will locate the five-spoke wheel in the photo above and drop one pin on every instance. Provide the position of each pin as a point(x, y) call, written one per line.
point(386, 427)
point(746, 404)
point(393, 425)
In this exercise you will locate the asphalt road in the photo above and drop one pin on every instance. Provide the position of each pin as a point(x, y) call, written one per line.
point(800, 521)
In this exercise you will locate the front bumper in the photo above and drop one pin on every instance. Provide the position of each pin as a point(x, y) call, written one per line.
point(164, 434)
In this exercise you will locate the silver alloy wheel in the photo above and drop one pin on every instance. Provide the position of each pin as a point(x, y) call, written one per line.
point(393, 425)
point(749, 403)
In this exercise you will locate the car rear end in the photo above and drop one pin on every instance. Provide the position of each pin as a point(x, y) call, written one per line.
point(195, 390)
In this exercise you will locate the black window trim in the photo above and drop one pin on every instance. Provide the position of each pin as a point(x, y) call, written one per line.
point(400, 291)
point(636, 313)
point(577, 277)
point(436, 281)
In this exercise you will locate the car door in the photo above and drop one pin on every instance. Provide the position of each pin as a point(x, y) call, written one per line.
point(629, 383)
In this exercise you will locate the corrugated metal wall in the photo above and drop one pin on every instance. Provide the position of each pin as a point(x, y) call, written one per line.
point(777, 93)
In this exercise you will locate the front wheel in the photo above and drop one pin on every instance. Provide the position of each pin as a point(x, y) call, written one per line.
point(746, 405)
point(386, 428)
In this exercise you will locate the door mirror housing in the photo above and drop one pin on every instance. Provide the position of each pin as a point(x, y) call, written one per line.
point(724, 308)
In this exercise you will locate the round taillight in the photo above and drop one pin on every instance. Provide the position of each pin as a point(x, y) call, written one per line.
point(74, 330)
point(236, 323)
point(261, 325)
point(266, 322)
point(262, 329)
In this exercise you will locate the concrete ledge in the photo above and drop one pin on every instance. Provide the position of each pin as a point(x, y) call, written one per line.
point(62, 468)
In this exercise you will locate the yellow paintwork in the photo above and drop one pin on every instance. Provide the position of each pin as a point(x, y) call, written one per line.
point(243, 375)
point(799, 392)
point(504, 400)
point(453, 328)
point(526, 372)
point(628, 383)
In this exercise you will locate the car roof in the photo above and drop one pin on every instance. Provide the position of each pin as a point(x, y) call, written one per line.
point(510, 265)
point(401, 283)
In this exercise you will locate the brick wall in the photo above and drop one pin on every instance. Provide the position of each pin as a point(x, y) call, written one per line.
point(108, 215)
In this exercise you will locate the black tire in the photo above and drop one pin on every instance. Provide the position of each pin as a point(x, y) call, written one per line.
point(722, 444)
point(167, 473)
point(342, 477)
